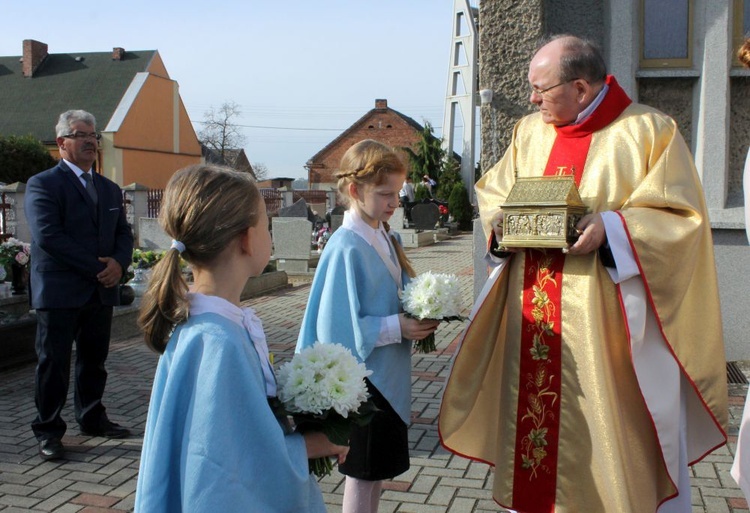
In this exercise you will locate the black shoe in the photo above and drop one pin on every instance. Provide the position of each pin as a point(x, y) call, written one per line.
point(51, 449)
point(107, 429)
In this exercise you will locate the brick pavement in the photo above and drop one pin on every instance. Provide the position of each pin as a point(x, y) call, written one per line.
point(99, 475)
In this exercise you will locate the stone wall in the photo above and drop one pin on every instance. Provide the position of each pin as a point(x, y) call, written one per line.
point(583, 18)
point(739, 136)
point(673, 96)
point(509, 32)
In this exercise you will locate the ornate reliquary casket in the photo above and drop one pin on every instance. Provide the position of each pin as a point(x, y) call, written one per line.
point(542, 212)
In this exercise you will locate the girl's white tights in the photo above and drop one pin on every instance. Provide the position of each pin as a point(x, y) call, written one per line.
point(361, 496)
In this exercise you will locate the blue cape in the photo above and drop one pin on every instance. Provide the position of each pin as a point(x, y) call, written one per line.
point(351, 293)
point(212, 442)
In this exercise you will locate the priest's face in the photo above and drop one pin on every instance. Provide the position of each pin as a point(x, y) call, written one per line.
point(559, 101)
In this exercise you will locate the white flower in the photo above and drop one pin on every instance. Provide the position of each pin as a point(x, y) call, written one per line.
point(22, 258)
point(433, 296)
point(323, 377)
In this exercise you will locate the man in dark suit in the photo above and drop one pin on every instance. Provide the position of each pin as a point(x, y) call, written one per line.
point(81, 243)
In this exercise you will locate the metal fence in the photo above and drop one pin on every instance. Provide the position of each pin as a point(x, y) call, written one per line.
point(272, 197)
point(4, 213)
point(311, 196)
point(154, 202)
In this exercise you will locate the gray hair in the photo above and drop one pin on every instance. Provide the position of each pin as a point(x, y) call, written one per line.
point(68, 118)
point(581, 58)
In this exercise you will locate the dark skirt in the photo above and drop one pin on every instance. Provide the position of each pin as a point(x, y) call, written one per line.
point(379, 450)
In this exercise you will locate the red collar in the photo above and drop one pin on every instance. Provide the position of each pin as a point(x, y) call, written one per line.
point(615, 101)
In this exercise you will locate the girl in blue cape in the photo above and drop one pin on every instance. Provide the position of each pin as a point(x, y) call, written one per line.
point(354, 301)
point(212, 442)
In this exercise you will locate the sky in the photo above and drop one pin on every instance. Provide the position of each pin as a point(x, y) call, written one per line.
point(301, 71)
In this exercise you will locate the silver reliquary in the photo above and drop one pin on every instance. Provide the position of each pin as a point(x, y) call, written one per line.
point(542, 212)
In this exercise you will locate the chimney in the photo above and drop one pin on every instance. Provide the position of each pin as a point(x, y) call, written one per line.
point(118, 53)
point(381, 104)
point(34, 53)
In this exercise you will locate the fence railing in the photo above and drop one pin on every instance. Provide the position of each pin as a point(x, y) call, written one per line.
point(5, 207)
point(311, 196)
point(273, 200)
point(140, 203)
point(154, 202)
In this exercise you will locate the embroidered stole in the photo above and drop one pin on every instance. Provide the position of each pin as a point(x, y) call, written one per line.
point(538, 418)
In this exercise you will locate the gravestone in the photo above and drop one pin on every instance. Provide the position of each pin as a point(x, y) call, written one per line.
point(336, 217)
point(151, 236)
point(336, 222)
point(296, 209)
point(425, 216)
point(397, 219)
point(292, 244)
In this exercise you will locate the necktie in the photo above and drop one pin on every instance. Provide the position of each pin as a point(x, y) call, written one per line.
point(90, 187)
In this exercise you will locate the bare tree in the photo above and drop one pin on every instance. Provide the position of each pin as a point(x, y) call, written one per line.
point(260, 170)
point(220, 131)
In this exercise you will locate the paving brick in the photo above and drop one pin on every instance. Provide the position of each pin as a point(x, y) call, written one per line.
point(442, 495)
point(52, 488)
point(462, 505)
point(18, 501)
point(716, 505)
point(90, 499)
point(57, 500)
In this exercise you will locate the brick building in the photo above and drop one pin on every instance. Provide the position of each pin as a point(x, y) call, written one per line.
point(382, 124)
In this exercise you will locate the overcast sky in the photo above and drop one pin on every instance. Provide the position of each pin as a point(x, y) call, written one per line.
point(307, 68)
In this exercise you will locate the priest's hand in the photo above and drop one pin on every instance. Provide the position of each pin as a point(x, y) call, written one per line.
point(497, 229)
point(497, 225)
point(592, 235)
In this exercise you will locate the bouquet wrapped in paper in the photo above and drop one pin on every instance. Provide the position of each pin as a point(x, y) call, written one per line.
point(323, 388)
point(433, 296)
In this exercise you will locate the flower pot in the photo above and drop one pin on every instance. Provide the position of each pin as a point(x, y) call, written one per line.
point(127, 295)
point(139, 283)
point(19, 279)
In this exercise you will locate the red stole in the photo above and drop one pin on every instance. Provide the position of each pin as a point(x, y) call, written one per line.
point(538, 418)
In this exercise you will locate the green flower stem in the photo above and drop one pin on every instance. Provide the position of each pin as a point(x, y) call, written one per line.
point(321, 467)
point(426, 345)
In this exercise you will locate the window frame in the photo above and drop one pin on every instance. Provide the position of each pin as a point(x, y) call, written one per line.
point(661, 63)
point(738, 34)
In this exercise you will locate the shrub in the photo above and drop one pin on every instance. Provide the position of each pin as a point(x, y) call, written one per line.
point(22, 157)
point(421, 193)
point(449, 177)
point(460, 207)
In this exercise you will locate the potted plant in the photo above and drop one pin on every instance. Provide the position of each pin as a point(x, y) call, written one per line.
point(127, 293)
point(15, 256)
point(143, 261)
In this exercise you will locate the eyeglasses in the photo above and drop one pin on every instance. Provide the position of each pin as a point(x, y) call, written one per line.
point(542, 92)
point(83, 135)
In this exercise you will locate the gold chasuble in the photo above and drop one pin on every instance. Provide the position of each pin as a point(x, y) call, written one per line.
point(546, 385)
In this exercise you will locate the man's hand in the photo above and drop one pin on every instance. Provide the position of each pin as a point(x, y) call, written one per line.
point(497, 229)
point(111, 274)
point(497, 225)
point(592, 235)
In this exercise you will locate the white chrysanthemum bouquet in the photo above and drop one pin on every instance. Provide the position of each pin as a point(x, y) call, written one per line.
point(432, 296)
point(323, 388)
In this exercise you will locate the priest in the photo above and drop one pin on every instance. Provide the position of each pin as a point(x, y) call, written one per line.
point(591, 377)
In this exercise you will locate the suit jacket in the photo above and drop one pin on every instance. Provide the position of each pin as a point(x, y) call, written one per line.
point(68, 235)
